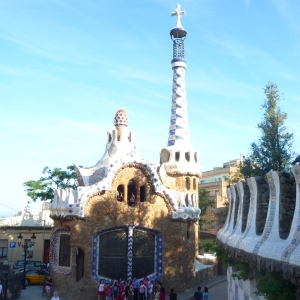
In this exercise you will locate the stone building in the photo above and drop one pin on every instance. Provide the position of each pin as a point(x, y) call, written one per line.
point(214, 181)
point(129, 217)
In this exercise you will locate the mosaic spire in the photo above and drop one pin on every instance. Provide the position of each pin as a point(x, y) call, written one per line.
point(179, 134)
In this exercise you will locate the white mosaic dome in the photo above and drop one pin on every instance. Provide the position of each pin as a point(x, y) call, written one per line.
point(121, 118)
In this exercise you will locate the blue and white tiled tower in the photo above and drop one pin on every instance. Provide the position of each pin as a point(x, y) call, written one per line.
point(179, 157)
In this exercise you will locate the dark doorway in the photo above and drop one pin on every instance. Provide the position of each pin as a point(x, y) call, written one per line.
point(46, 251)
point(80, 264)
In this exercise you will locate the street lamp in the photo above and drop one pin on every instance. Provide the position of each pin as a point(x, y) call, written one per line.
point(25, 246)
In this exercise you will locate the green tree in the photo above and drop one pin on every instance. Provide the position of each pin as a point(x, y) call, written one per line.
point(43, 189)
point(273, 150)
point(204, 203)
point(223, 212)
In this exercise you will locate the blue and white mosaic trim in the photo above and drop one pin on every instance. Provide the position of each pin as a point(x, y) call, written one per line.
point(70, 202)
point(179, 127)
point(158, 251)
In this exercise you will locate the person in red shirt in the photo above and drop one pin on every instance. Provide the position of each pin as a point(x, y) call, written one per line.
point(120, 296)
point(107, 291)
point(162, 294)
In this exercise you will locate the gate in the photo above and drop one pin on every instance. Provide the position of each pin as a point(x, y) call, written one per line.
point(143, 249)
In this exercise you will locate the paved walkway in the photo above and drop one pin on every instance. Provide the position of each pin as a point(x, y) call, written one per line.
point(188, 295)
point(34, 292)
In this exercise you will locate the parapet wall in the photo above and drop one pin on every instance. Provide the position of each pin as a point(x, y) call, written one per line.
point(263, 224)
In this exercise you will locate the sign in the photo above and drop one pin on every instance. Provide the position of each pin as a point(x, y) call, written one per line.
point(13, 245)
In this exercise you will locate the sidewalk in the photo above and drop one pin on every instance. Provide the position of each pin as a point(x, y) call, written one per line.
point(34, 292)
point(188, 295)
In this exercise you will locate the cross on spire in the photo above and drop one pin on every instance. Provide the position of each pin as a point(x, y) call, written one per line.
point(178, 13)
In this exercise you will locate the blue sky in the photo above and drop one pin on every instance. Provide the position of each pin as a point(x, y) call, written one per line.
point(66, 67)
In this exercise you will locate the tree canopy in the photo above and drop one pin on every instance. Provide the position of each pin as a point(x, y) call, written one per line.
point(43, 189)
point(204, 202)
point(273, 150)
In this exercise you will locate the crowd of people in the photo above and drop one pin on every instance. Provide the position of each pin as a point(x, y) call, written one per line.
point(145, 289)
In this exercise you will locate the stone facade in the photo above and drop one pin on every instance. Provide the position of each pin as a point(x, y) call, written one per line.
point(103, 210)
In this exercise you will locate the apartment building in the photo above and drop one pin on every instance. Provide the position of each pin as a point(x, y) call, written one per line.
point(215, 182)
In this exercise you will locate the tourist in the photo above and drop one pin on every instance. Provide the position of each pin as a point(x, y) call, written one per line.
point(100, 288)
point(172, 295)
point(198, 295)
point(107, 291)
point(206, 293)
point(120, 296)
point(131, 292)
point(150, 290)
point(162, 294)
point(115, 291)
point(136, 288)
point(55, 296)
point(48, 286)
point(142, 290)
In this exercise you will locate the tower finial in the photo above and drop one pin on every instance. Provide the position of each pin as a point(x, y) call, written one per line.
point(178, 13)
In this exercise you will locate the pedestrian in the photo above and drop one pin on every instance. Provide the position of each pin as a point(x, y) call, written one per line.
point(172, 295)
point(115, 291)
point(142, 290)
point(136, 288)
point(198, 295)
point(206, 293)
point(107, 291)
point(150, 290)
point(162, 294)
point(55, 296)
point(48, 286)
point(120, 296)
point(1, 290)
point(100, 289)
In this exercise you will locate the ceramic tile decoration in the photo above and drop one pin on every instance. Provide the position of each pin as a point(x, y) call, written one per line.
point(269, 250)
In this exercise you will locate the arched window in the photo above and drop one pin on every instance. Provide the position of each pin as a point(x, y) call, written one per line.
point(187, 183)
point(177, 156)
point(64, 250)
point(194, 184)
point(120, 193)
point(131, 193)
point(142, 193)
point(188, 230)
point(187, 156)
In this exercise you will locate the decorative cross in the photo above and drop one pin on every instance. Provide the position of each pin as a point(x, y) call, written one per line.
point(178, 13)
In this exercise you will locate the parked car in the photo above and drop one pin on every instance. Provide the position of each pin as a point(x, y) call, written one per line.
point(34, 276)
point(30, 264)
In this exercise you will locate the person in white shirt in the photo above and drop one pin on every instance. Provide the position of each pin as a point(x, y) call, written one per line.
point(55, 296)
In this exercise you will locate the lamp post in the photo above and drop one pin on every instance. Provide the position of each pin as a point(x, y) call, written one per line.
point(25, 246)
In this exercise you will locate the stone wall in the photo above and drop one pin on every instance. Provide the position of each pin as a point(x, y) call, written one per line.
point(262, 204)
point(246, 205)
point(287, 203)
point(179, 238)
